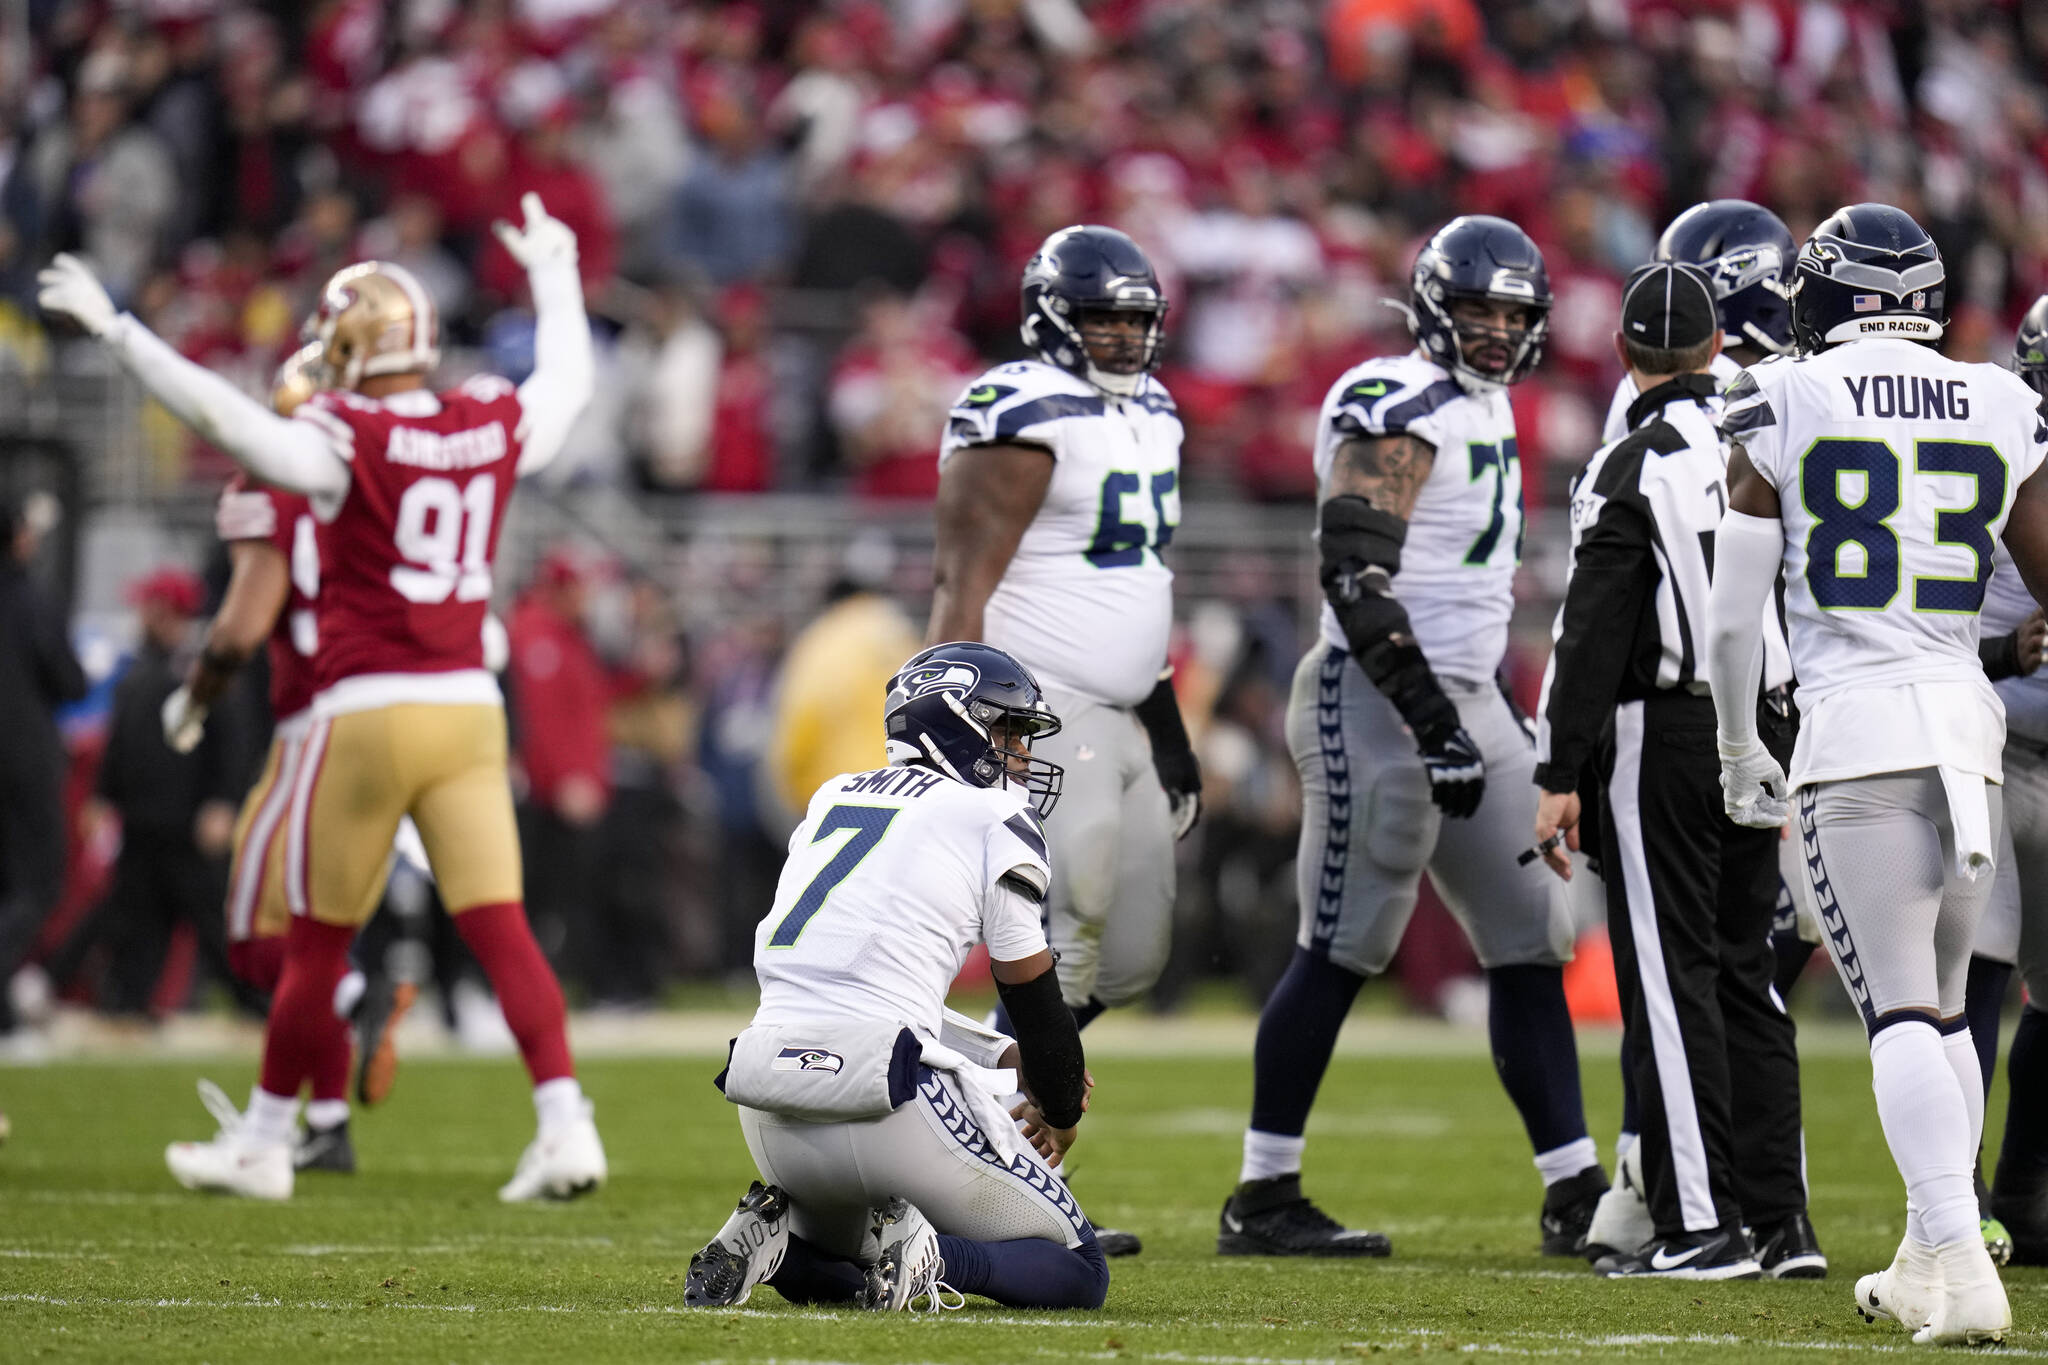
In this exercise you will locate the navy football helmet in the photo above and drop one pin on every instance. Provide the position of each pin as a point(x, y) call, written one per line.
point(1084, 270)
point(2030, 347)
point(1867, 271)
point(944, 709)
point(1746, 252)
point(1479, 257)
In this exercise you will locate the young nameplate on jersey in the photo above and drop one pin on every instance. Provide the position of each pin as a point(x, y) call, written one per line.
point(1881, 475)
point(1059, 492)
point(893, 1176)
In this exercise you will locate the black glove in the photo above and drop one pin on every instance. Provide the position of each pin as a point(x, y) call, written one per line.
point(1172, 756)
point(1457, 774)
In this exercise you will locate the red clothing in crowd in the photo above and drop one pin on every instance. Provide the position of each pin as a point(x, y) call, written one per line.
point(570, 195)
point(560, 692)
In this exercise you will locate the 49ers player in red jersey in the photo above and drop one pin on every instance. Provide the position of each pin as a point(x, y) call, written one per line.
point(408, 490)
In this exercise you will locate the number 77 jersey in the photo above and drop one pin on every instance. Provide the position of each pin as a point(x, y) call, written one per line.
point(1895, 469)
point(407, 553)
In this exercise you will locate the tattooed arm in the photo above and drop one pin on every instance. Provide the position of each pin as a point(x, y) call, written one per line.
point(1367, 499)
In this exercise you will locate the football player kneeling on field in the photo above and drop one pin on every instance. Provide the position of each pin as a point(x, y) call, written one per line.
point(895, 1179)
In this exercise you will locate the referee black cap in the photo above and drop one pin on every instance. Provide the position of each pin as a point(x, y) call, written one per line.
point(1668, 305)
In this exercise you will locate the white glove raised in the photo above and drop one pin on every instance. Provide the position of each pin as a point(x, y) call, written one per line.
point(184, 721)
point(67, 286)
point(1753, 787)
point(544, 240)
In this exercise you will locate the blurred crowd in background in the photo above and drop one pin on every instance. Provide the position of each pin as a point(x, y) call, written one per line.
point(802, 224)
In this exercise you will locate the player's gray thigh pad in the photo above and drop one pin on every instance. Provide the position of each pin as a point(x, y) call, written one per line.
point(1896, 917)
point(1514, 914)
point(1367, 823)
point(930, 1151)
point(1110, 913)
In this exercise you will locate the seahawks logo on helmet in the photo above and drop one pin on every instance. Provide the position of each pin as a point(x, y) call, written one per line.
point(945, 677)
point(1740, 269)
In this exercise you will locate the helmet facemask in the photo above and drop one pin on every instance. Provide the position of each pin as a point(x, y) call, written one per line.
point(1484, 355)
point(1120, 358)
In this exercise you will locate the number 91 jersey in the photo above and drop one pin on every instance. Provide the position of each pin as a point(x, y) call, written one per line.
point(1086, 601)
point(1895, 469)
point(407, 553)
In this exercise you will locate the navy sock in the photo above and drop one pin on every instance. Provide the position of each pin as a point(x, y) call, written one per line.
point(1029, 1272)
point(1084, 1015)
point(808, 1275)
point(2023, 1156)
point(1631, 1114)
point(1793, 953)
point(1535, 1052)
point(1983, 1003)
point(1297, 1033)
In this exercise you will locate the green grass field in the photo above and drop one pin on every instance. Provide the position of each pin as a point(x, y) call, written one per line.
point(102, 1258)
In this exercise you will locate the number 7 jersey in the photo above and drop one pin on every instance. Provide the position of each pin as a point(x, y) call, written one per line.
point(407, 553)
point(1895, 469)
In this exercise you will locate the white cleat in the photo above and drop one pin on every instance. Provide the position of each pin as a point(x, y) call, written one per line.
point(1906, 1291)
point(908, 1267)
point(233, 1162)
point(559, 1165)
point(1621, 1220)
point(746, 1251)
point(1972, 1310)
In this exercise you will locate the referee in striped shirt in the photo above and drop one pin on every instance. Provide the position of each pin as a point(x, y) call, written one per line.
point(1689, 894)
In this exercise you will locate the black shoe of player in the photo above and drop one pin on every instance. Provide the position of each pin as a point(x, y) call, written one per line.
point(1115, 1242)
point(1273, 1218)
point(385, 1001)
point(2023, 1208)
point(1724, 1254)
point(1568, 1207)
point(325, 1149)
point(1788, 1249)
point(746, 1251)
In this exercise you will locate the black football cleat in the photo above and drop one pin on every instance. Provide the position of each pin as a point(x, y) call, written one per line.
point(385, 1001)
point(1568, 1207)
point(1273, 1218)
point(746, 1251)
point(1717, 1255)
point(1116, 1242)
point(325, 1149)
point(1789, 1250)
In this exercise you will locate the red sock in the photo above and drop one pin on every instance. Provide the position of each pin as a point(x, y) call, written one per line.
point(258, 961)
point(302, 1019)
point(527, 990)
point(330, 1067)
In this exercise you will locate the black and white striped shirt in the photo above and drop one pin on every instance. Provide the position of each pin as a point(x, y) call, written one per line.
point(1634, 619)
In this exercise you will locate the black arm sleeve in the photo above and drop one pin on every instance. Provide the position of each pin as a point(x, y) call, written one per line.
point(2000, 655)
point(1055, 1070)
point(1613, 566)
point(1361, 553)
point(1160, 715)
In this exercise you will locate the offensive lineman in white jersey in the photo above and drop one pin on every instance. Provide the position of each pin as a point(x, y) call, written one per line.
point(1420, 533)
point(1880, 475)
point(1059, 487)
point(893, 1174)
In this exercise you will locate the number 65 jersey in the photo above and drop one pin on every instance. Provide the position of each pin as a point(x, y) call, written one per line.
point(1895, 469)
point(407, 553)
point(1086, 601)
point(893, 876)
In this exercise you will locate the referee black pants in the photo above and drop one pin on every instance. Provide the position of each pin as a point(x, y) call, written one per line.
point(1690, 896)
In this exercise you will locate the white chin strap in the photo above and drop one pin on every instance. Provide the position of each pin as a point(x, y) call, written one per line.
point(1122, 385)
point(1900, 326)
point(1763, 343)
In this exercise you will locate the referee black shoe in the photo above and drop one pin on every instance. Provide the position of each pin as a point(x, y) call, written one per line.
point(385, 1001)
point(1117, 1242)
point(1724, 1254)
point(1789, 1250)
point(1273, 1218)
point(325, 1149)
point(1568, 1209)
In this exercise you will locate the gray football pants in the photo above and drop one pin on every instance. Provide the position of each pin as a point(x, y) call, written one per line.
point(1897, 918)
point(2015, 925)
point(931, 1152)
point(1369, 828)
point(1110, 914)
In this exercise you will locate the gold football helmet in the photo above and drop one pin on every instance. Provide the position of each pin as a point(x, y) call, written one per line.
point(374, 318)
point(303, 374)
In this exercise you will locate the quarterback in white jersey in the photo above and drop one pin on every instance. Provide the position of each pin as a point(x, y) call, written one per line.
point(1881, 476)
point(892, 1173)
point(1410, 753)
point(1059, 487)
